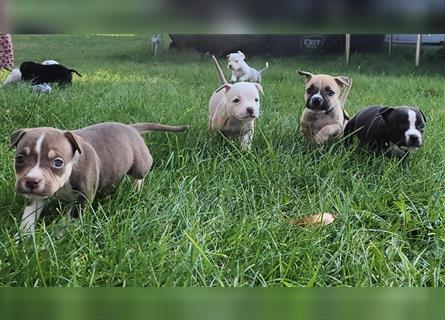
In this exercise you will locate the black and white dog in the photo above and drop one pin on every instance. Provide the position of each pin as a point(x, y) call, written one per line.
point(16, 75)
point(393, 130)
point(46, 73)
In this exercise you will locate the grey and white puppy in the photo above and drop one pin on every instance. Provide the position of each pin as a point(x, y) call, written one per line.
point(74, 165)
point(241, 70)
point(396, 131)
point(324, 117)
point(233, 108)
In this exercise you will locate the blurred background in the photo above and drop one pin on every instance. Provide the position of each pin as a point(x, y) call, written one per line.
point(215, 304)
point(229, 16)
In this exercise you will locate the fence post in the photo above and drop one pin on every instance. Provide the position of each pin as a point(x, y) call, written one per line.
point(390, 44)
point(348, 47)
point(155, 42)
point(419, 36)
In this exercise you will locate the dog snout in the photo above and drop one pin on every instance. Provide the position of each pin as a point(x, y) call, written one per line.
point(413, 141)
point(32, 183)
point(316, 101)
point(250, 111)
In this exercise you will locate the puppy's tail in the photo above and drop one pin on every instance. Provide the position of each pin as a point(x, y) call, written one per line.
point(343, 97)
point(72, 70)
point(264, 69)
point(221, 76)
point(142, 127)
point(344, 94)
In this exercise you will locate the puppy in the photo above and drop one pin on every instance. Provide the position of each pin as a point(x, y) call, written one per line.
point(396, 131)
point(74, 165)
point(16, 75)
point(233, 108)
point(38, 73)
point(241, 71)
point(324, 117)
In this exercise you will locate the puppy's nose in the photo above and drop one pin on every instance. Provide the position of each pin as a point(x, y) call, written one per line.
point(316, 101)
point(249, 111)
point(413, 141)
point(32, 183)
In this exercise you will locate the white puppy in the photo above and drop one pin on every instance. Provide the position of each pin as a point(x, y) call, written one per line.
point(241, 70)
point(16, 75)
point(233, 108)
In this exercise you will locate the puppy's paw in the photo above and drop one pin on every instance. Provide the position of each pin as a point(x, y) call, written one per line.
point(17, 237)
point(138, 184)
point(21, 236)
point(246, 146)
point(62, 226)
point(27, 227)
point(319, 139)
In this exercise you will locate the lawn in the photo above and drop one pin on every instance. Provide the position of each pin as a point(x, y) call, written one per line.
point(210, 214)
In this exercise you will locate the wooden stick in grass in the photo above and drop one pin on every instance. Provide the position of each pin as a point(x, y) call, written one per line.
point(221, 76)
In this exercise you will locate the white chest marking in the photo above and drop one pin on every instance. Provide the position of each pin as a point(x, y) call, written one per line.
point(31, 215)
point(36, 171)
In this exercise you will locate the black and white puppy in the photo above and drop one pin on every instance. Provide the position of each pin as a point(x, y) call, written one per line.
point(393, 130)
point(39, 73)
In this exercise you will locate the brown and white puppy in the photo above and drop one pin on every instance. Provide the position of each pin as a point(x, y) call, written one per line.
point(324, 117)
point(74, 165)
point(233, 108)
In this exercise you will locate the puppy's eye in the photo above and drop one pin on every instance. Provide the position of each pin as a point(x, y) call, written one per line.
point(256, 100)
point(331, 92)
point(57, 163)
point(308, 90)
point(236, 61)
point(421, 126)
point(236, 100)
point(19, 159)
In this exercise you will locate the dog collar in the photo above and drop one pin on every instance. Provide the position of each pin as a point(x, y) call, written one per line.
point(319, 112)
point(329, 110)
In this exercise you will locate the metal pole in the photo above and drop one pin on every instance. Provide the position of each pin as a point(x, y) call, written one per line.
point(418, 50)
point(155, 41)
point(348, 47)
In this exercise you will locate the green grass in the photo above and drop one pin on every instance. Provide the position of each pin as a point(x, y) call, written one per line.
point(212, 215)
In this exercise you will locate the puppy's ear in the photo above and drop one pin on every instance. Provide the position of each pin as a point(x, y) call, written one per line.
point(423, 115)
point(259, 88)
point(308, 76)
point(242, 55)
point(385, 112)
point(16, 136)
point(228, 56)
point(343, 81)
point(224, 86)
point(74, 141)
